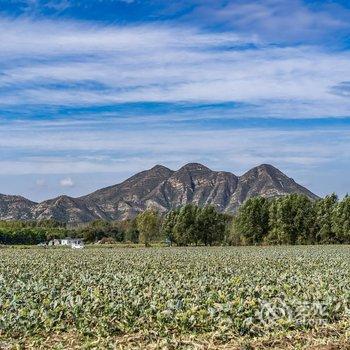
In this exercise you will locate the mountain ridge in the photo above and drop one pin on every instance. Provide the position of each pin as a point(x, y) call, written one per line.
point(160, 188)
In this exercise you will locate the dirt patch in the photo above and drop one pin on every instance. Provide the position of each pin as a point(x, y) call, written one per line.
point(334, 337)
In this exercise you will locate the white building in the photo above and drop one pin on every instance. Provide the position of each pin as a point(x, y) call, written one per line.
point(73, 242)
point(54, 242)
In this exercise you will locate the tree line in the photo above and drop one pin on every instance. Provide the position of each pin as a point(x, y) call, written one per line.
point(187, 225)
point(291, 219)
point(31, 232)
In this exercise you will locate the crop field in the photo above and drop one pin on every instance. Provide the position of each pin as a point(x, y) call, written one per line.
point(241, 297)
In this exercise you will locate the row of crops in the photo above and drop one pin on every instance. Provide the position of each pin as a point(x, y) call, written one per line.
point(164, 291)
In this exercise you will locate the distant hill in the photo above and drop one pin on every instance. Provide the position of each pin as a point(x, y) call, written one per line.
point(159, 188)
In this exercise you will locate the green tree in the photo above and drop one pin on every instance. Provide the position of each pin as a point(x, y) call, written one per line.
point(341, 221)
point(169, 223)
point(148, 226)
point(131, 231)
point(251, 224)
point(211, 225)
point(324, 219)
point(291, 220)
point(186, 228)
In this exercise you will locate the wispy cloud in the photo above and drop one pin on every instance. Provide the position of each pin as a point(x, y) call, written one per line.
point(66, 150)
point(272, 20)
point(276, 20)
point(342, 89)
point(74, 64)
point(40, 183)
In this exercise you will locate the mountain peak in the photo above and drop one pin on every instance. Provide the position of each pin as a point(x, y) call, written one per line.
point(266, 166)
point(194, 167)
point(13, 197)
point(267, 169)
point(160, 167)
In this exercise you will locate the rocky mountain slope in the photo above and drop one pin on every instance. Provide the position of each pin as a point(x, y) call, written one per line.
point(159, 188)
point(15, 208)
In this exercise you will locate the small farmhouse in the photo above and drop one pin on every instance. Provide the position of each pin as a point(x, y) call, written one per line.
point(68, 241)
point(71, 241)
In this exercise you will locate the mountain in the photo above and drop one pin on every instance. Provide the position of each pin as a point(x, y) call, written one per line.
point(126, 199)
point(15, 208)
point(159, 188)
point(193, 183)
point(264, 180)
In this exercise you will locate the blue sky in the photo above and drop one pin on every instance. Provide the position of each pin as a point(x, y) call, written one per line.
point(94, 91)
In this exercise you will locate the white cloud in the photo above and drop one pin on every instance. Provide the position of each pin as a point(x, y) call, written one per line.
point(58, 5)
point(276, 20)
point(67, 182)
point(40, 182)
point(61, 149)
point(77, 64)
